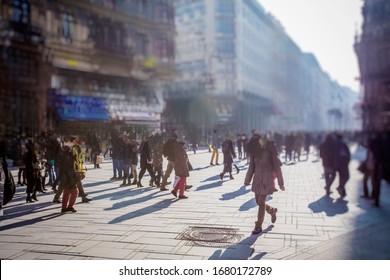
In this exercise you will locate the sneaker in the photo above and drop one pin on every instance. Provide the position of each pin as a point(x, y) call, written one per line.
point(273, 215)
point(174, 193)
point(64, 210)
point(71, 209)
point(183, 197)
point(163, 189)
point(113, 178)
point(56, 201)
point(188, 187)
point(85, 200)
point(257, 230)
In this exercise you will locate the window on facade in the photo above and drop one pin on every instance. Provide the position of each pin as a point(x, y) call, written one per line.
point(21, 11)
point(67, 25)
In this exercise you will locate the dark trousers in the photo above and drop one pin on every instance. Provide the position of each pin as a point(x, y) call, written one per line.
point(330, 175)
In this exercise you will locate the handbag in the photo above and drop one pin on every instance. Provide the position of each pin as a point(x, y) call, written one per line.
point(190, 168)
point(99, 159)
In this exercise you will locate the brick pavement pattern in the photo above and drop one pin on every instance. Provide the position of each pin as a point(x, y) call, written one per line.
point(144, 223)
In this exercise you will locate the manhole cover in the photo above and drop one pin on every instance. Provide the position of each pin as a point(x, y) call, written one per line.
point(211, 236)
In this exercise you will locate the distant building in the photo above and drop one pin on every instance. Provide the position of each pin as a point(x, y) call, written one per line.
point(87, 63)
point(237, 69)
point(373, 51)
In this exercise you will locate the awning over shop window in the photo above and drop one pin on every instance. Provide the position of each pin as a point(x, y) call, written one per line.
point(80, 108)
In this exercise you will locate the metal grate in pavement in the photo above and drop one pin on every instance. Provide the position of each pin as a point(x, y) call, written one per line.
point(210, 236)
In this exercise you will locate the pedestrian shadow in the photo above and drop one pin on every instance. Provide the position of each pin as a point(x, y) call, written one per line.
point(242, 250)
point(241, 191)
point(200, 168)
point(124, 192)
point(212, 178)
point(30, 221)
point(21, 210)
point(252, 203)
point(94, 184)
point(209, 186)
point(290, 163)
point(329, 206)
point(144, 211)
point(126, 203)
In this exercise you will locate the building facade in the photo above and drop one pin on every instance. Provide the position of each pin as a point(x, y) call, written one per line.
point(100, 62)
point(373, 51)
point(237, 69)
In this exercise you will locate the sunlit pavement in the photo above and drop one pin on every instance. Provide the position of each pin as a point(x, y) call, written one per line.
point(145, 223)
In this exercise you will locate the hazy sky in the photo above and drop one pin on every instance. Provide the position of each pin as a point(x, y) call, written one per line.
point(326, 28)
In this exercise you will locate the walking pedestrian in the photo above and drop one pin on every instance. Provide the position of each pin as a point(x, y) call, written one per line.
point(264, 167)
point(228, 155)
point(327, 156)
point(146, 162)
point(214, 147)
point(341, 159)
point(169, 153)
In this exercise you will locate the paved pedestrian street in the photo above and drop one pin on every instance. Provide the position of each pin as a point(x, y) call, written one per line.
point(144, 223)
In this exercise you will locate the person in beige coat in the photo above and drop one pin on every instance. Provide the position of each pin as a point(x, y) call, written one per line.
point(264, 167)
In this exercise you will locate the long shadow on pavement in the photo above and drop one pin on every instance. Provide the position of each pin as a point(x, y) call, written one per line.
point(126, 203)
point(242, 250)
point(252, 203)
point(144, 211)
point(25, 209)
point(329, 206)
point(241, 191)
point(209, 186)
point(212, 178)
point(30, 221)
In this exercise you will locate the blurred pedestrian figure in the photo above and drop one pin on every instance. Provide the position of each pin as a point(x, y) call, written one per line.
point(245, 146)
point(31, 163)
point(299, 139)
point(341, 159)
point(181, 170)
point(289, 145)
point(264, 166)
point(96, 150)
point(377, 148)
point(134, 161)
point(146, 162)
point(214, 147)
point(228, 155)
point(169, 153)
point(194, 146)
point(239, 146)
point(158, 162)
point(327, 156)
point(308, 143)
point(67, 180)
point(367, 168)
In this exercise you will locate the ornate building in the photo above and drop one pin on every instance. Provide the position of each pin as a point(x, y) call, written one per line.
point(373, 51)
point(97, 62)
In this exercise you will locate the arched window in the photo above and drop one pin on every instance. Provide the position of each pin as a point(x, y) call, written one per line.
point(21, 11)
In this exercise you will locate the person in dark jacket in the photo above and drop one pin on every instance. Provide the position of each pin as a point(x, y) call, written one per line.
point(31, 162)
point(146, 162)
point(341, 159)
point(327, 156)
point(68, 180)
point(228, 155)
point(169, 153)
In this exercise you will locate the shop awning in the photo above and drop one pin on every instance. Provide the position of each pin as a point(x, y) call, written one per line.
point(80, 108)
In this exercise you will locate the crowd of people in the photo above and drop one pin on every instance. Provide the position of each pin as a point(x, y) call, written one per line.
point(59, 162)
